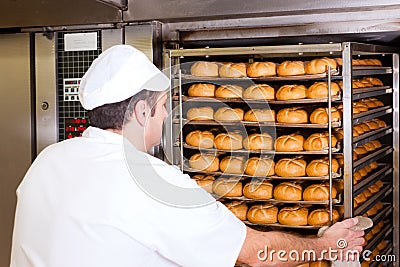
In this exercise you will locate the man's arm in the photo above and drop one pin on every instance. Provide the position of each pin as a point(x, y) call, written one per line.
point(259, 247)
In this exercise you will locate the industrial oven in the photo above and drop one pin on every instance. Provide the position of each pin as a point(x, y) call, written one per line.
point(366, 181)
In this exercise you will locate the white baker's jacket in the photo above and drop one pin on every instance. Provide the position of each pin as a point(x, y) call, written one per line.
point(79, 206)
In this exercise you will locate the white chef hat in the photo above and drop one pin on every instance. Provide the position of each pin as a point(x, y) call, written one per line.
point(117, 74)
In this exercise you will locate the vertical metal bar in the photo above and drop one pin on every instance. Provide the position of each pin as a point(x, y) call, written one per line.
point(396, 95)
point(347, 122)
point(330, 141)
point(180, 118)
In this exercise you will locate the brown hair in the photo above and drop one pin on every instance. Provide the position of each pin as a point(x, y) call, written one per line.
point(111, 116)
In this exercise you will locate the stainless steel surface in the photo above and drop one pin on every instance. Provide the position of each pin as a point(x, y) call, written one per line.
point(396, 162)
point(46, 119)
point(360, 93)
point(110, 37)
point(15, 118)
point(141, 37)
point(118, 4)
point(51, 13)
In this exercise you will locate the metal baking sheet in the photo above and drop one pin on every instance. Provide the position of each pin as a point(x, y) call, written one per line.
point(371, 157)
point(275, 201)
point(255, 101)
point(266, 152)
point(258, 124)
point(370, 70)
point(384, 170)
point(261, 79)
point(283, 225)
point(364, 207)
point(374, 134)
point(371, 114)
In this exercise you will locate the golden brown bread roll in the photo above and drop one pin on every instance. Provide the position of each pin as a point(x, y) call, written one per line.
point(259, 92)
point(205, 69)
point(291, 92)
point(357, 176)
point(200, 114)
point(318, 192)
point(261, 69)
point(229, 91)
point(369, 146)
point(258, 141)
point(362, 107)
point(371, 212)
point(262, 166)
point(291, 167)
point(320, 217)
point(377, 102)
point(320, 90)
point(366, 82)
point(202, 90)
point(374, 189)
point(228, 187)
point(376, 143)
point(379, 206)
point(373, 165)
point(320, 167)
point(296, 216)
point(363, 172)
point(320, 115)
point(379, 184)
point(260, 115)
point(260, 190)
point(365, 127)
point(262, 214)
point(204, 162)
point(359, 199)
point(238, 208)
point(360, 151)
point(205, 181)
point(367, 193)
point(373, 125)
point(319, 141)
point(228, 141)
point(320, 65)
point(375, 81)
point(291, 68)
point(382, 245)
point(292, 115)
point(358, 129)
point(320, 264)
point(232, 70)
point(232, 164)
point(289, 143)
point(288, 191)
point(201, 139)
point(229, 114)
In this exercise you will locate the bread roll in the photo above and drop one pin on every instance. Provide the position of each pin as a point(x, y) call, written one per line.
point(204, 162)
point(374, 189)
point(202, 90)
point(320, 167)
point(382, 245)
point(232, 70)
point(288, 191)
point(373, 125)
point(227, 187)
point(262, 214)
point(205, 69)
point(289, 143)
point(229, 91)
point(374, 81)
point(262, 166)
point(238, 208)
point(373, 165)
point(376, 143)
point(259, 92)
point(261, 69)
point(320, 90)
point(367, 83)
point(291, 68)
point(320, 217)
point(260, 115)
point(358, 129)
point(200, 114)
point(319, 141)
point(365, 127)
point(379, 184)
point(320, 65)
point(320, 115)
point(296, 216)
point(369, 146)
point(318, 192)
point(229, 114)
point(205, 181)
point(258, 190)
point(360, 151)
point(377, 102)
point(201, 139)
point(362, 107)
point(292, 115)
point(291, 92)
point(371, 212)
point(258, 141)
point(287, 167)
point(232, 164)
point(228, 141)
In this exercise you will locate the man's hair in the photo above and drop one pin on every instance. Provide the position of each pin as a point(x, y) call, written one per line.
point(111, 116)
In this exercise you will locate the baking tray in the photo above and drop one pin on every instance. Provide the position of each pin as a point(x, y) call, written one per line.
point(275, 201)
point(371, 157)
point(283, 225)
point(370, 70)
point(258, 124)
point(372, 135)
point(254, 101)
point(364, 207)
point(360, 93)
point(383, 171)
point(262, 152)
point(379, 237)
point(219, 80)
point(371, 114)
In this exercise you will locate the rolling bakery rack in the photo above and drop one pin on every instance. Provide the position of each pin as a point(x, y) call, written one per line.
point(368, 178)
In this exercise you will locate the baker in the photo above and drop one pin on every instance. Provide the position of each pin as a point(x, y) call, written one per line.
point(85, 201)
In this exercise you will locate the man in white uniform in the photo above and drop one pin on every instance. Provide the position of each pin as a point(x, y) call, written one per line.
point(80, 203)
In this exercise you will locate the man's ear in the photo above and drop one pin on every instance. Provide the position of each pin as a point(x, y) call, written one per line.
point(141, 112)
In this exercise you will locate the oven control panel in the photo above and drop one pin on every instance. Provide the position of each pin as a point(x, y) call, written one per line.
point(74, 127)
point(71, 89)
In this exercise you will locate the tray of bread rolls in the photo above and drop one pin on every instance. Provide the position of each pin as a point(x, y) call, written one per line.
point(363, 157)
point(378, 243)
point(367, 175)
point(366, 199)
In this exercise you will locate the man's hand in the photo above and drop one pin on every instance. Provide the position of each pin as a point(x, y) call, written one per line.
point(340, 237)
